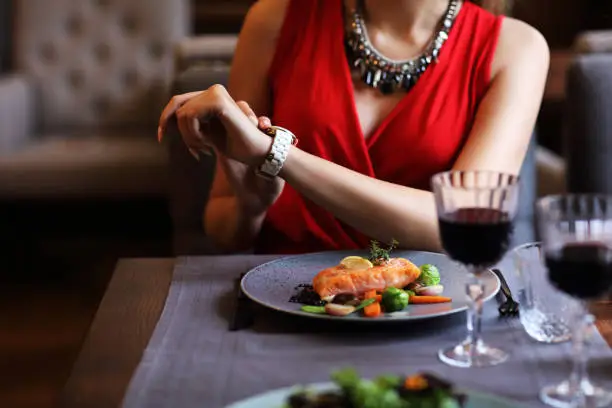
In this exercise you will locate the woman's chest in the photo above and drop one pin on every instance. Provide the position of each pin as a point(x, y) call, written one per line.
point(372, 107)
point(403, 136)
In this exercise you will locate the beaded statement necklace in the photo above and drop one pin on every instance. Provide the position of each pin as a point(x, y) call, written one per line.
point(385, 74)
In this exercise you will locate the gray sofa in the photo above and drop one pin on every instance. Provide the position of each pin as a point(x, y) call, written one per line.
point(80, 105)
point(205, 61)
point(588, 137)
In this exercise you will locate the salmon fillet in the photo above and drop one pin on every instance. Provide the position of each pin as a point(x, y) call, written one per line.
point(397, 273)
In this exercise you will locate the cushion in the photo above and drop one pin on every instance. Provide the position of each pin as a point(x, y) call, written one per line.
point(82, 164)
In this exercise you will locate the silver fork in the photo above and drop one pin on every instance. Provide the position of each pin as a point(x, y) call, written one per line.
point(509, 307)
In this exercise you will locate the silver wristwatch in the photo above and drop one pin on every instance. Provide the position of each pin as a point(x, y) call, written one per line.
point(283, 140)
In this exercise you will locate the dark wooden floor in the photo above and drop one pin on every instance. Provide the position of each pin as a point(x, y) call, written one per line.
point(55, 262)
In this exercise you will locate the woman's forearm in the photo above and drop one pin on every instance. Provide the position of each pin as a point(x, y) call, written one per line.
point(229, 226)
point(381, 210)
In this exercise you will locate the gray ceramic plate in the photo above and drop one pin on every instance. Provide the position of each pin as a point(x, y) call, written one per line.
point(272, 284)
point(276, 398)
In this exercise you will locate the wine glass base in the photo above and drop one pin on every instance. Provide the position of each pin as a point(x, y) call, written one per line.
point(564, 396)
point(463, 356)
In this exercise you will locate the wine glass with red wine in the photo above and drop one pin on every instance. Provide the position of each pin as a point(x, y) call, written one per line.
point(475, 214)
point(576, 235)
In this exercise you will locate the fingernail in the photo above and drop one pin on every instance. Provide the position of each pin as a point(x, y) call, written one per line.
point(160, 134)
point(206, 151)
point(194, 154)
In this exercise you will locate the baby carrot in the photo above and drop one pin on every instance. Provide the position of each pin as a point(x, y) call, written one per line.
point(429, 299)
point(372, 310)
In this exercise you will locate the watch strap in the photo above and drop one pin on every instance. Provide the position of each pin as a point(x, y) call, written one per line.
point(283, 140)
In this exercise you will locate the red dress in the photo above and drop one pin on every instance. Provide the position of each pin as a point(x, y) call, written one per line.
point(312, 95)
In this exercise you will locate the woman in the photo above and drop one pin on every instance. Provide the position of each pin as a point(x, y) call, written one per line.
point(369, 141)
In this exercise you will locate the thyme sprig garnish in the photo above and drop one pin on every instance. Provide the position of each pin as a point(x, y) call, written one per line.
point(380, 255)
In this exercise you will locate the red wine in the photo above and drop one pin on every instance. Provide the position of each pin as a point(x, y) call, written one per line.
point(477, 237)
point(582, 270)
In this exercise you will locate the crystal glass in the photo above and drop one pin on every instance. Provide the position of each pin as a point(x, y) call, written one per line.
point(576, 234)
point(475, 214)
point(545, 311)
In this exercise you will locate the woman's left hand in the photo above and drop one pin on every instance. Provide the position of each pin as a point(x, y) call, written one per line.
point(212, 118)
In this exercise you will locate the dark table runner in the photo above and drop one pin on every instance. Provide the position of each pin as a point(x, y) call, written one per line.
point(192, 360)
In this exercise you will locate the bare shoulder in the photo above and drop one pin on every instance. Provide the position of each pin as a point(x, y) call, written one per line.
point(254, 53)
point(265, 19)
point(520, 46)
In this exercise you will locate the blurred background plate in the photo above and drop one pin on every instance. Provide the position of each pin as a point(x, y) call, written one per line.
point(276, 398)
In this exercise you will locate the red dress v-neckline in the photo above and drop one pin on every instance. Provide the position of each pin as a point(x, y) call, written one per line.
point(348, 80)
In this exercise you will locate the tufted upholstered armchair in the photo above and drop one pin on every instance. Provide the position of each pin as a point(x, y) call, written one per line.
point(79, 109)
point(201, 62)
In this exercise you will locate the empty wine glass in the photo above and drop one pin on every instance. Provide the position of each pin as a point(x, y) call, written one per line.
point(576, 234)
point(475, 213)
point(545, 311)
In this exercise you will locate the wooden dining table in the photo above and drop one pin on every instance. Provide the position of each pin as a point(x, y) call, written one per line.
point(125, 321)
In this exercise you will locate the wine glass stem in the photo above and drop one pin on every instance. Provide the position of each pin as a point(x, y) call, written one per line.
point(475, 292)
point(579, 377)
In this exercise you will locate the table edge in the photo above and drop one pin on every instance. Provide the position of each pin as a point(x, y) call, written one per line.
point(83, 388)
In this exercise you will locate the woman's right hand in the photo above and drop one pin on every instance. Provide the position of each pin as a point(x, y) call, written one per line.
point(254, 193)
